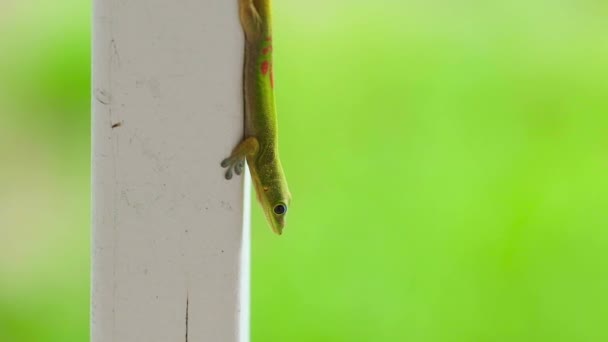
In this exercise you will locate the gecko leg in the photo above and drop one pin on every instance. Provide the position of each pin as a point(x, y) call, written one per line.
point(251, 20)
point(236, 161)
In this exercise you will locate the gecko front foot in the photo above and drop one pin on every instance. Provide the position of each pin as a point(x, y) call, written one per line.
point(236, 162)
point(236, 165)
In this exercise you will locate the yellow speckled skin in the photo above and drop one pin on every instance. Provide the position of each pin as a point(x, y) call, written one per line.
point(259, 145)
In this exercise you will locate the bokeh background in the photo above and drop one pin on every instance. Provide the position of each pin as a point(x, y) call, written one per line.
point(448, 161)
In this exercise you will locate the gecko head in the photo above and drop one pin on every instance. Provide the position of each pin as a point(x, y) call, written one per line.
point(277, 219)
point(273, 194)
point(276, 208)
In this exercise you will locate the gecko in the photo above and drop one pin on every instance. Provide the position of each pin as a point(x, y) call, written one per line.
point(259, 146)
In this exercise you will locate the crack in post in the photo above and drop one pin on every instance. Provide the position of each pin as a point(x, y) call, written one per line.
point(187, 312)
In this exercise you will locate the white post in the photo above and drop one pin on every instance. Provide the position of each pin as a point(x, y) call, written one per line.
point(170, 249)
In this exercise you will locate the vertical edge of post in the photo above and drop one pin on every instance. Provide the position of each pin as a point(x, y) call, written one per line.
point(245, 290)
point(170, 236)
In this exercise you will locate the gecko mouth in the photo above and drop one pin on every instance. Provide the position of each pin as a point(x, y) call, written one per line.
point(278, 229)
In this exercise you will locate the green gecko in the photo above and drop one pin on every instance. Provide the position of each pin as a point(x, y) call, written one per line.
point(259, 146)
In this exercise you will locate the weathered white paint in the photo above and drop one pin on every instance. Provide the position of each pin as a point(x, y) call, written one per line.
point(170, 256)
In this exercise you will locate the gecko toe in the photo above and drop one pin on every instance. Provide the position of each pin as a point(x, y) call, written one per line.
point(225, 162)
point(229, 174)
point(238, 167)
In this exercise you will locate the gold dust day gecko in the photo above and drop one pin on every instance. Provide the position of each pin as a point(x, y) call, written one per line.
point(259, 146)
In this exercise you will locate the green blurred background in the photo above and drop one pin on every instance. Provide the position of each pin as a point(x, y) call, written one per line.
point(448, 162)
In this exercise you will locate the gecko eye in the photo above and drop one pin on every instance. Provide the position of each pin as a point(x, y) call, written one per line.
point(280, 209)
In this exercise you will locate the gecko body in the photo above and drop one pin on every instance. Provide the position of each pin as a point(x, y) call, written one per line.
point(259, 146)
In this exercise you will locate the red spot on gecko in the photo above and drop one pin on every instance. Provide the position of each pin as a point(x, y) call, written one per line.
point(267, 50)
point(269, 38)
point(265, 67)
